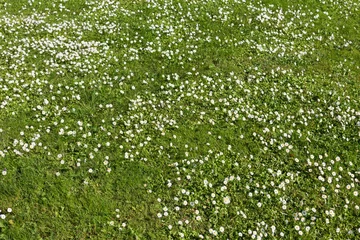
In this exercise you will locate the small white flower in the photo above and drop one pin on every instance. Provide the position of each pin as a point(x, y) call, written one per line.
point(226, 200)
point(9, 210)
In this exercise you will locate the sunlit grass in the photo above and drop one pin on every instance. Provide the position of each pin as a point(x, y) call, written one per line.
point(177, 119)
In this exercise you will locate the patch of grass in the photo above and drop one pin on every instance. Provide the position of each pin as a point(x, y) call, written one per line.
point(179, 119)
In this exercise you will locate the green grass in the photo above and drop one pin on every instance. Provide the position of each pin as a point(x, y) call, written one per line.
point(124, 120)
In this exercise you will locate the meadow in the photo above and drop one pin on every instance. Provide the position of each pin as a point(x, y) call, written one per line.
point(179, 119)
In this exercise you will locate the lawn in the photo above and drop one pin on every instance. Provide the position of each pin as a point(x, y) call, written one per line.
point(177, 119)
